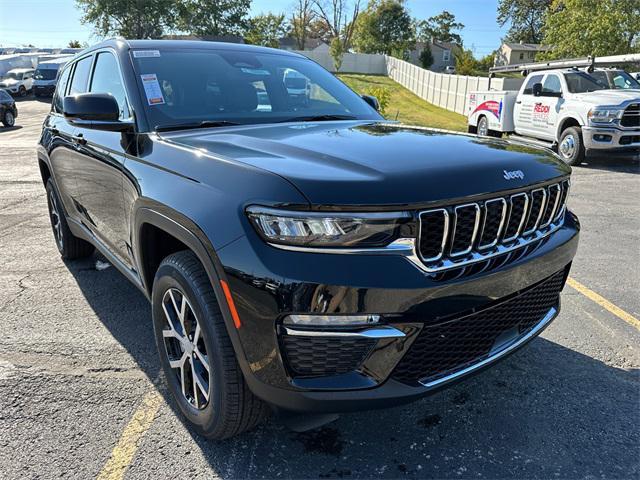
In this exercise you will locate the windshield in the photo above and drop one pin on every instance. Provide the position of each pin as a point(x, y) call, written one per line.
point(580, 82)
point(45, 74)
point(190, 86)
point(616, 79)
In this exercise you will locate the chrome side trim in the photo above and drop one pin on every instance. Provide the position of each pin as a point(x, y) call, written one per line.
point(400, 246)
point(564, 196)
point(473, 234)
point(542, 208)
point(555, 205)
point(525, 213)
point(376, 333)
point(445, 233)
point(551, 314)
point(500, 227)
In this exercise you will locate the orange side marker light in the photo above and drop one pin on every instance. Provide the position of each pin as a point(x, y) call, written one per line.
point(232, 306)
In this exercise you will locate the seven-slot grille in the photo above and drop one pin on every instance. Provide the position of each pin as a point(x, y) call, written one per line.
point(631, 116)
point(471, 232)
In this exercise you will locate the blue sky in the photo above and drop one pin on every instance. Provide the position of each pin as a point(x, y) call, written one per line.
point(52, 23)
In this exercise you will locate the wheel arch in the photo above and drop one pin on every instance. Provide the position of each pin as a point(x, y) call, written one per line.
point(187, 233)
point(566, 123)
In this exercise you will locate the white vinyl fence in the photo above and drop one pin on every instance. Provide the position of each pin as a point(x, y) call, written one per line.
point(446, 91)
point(362, 63)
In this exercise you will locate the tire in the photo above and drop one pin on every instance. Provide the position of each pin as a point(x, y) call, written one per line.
point(483, 127)
point(571, 146)
point(69, 246)
point(8, 118)
point(22, 91)
point(228, 408)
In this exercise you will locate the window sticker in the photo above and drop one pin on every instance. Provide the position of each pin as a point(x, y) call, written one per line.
point(152, 89)
point(146, 53)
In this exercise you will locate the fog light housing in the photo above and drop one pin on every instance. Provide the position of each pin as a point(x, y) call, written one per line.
point(331, 320)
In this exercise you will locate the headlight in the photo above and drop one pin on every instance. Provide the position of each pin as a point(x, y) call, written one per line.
point(328, 229)
point(602, 115)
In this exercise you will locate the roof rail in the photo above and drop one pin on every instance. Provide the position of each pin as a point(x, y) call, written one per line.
point(588, 62)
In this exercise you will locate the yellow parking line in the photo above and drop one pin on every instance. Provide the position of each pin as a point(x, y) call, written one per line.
point(604, 303)
point(125, 449)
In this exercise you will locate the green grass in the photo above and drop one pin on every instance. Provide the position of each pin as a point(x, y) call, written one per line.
point(411, 109)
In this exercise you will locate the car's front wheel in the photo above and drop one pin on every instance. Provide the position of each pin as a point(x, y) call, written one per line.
point(69, 246)
point(197, 357)
point(8, 118)
point(571, 147)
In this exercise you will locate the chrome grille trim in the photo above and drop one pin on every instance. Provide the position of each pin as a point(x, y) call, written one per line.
point(500, 227)
point(525, 212)
point(501, 245)
point(473, 234)
point(445, 234)
point(542, 208)
point(552, 216)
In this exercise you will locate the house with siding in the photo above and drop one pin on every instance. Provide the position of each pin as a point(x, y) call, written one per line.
point(442, 53)
point(516, 53)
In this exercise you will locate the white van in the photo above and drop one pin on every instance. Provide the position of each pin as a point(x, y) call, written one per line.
point(46, 76)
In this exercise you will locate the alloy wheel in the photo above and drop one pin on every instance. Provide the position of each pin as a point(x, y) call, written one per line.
point(185, 347)
point(56, 223)
point(568, 147)
point(9, 119)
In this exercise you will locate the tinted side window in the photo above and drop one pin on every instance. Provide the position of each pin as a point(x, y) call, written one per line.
point(528, 89)
point(81, 76)
point(61, 88)
point(551, 86)
point(106, 79)
point(600, 75)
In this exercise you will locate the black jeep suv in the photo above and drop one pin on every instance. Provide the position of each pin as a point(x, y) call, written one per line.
point(300, 253)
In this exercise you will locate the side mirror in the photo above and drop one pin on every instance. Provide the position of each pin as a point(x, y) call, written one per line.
point(537, 89)
point(99, 111)
point(372, 101)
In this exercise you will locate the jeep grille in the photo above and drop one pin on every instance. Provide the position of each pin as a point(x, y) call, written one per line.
point(457, 235)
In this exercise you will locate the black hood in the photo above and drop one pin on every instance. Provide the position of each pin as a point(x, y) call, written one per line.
point(361, 164)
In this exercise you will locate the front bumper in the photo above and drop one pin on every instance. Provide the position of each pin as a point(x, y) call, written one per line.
point(44, 90)
point(609, 138)
point(11, 89)
point(268, 283)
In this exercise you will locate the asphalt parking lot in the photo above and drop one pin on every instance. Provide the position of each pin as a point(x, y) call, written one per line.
point(81, 394)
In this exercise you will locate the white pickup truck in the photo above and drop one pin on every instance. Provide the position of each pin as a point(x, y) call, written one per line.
point(567, 109)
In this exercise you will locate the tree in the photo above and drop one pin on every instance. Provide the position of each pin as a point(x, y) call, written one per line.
point(384, 27)
point(318, 29)
point(577, 28)
point(74, 44)
point(340, 17)
point(128, 18)
point(301, 19)
point(440, 28)
point(526, 19)
point(466, 63)
point(336, 50)
point(486, 62)
point(266, 30)
point(213, 17)
point(426, 57)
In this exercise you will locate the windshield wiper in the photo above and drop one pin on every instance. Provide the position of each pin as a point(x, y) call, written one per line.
point(205, 124)
point(319, 118)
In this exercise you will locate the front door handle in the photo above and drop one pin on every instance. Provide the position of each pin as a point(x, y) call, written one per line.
point(79, 139)
point(519, 102)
